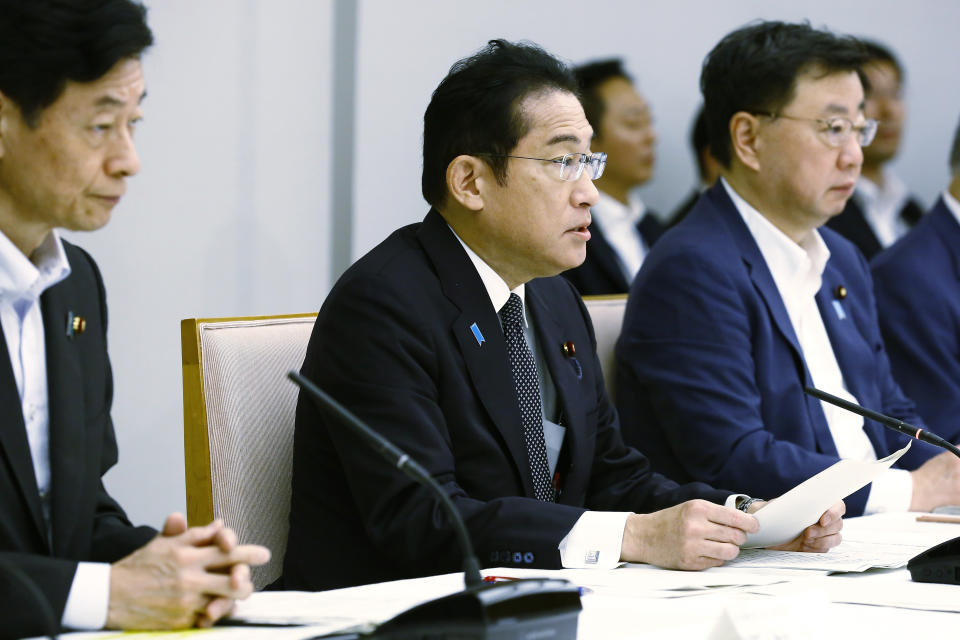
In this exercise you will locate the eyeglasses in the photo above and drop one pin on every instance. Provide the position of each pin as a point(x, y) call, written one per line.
point(571, 164)
point(836, 131)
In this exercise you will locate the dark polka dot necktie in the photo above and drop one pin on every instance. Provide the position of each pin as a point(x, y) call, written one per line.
point(527, 386)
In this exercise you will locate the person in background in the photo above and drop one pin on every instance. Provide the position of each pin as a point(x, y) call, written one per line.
point(71, 86)
point(882, 208)
point(623, 228)
point(917, 282)
point(708, 169)
point(750, 299)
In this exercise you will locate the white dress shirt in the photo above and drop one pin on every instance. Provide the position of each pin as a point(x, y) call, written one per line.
point(595, 540)
point(797, 271)
point(22, 281)
point(952, 204)
point(882, 205)
point(618, 223)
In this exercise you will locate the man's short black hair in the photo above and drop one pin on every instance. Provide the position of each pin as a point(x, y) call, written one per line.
point(699, 140)
point(955, 153)
point(46, 43)
point(877, 52)
point(589, 78)
point(755, 69)
point(475, 109)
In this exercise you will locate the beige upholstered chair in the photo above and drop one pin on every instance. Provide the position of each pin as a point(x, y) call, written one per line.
point(606, 312)
point(239, 410)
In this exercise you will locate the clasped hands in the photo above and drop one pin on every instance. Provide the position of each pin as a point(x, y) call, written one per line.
point(182, 578)
point(698, 534)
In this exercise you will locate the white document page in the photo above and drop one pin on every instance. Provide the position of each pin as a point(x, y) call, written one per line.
point(784, 518)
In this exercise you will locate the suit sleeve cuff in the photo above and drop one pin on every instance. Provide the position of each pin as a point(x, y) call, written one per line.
point(595, 541)
point(89, 597)
point(892, 490)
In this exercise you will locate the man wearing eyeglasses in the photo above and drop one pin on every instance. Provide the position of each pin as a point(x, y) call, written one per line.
point(749, 300)
point(455, 339)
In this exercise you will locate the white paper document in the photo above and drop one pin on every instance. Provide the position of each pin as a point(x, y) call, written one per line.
point(851, 555)
point(783, 519)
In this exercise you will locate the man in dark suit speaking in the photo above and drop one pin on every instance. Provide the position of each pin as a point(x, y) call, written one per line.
point(454, 339)
point(70, 91)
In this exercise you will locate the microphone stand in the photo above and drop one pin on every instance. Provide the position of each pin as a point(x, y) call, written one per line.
point(940, 564)
point(519, 609)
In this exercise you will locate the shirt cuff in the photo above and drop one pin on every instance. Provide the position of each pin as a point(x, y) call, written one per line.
point(595, 541)
point(89, 597)
point(731, 500)
point(892, 490)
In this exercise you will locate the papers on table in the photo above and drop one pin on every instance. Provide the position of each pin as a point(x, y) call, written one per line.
point(848, 556)
point(783, 519)
point(345, 609)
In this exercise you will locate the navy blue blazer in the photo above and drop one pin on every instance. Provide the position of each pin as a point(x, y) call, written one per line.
point(87, 524)
point(852, 224)
point(409, 341)
point(710, 374)
point(600, 273)
point(917, 282)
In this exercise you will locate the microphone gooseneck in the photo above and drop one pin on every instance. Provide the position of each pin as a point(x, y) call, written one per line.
point(403, 462)
point(893, 423)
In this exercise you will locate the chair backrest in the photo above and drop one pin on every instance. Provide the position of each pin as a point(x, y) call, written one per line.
point(239, 411)
point(606, 312)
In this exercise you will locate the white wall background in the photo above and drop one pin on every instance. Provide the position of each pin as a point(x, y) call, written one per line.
point(231, 214)
point(228, 216)
point(405, 49)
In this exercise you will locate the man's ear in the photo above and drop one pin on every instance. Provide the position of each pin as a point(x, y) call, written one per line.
point(745, 138)
point(466, 177)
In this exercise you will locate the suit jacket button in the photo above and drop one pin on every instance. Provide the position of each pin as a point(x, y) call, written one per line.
point(517, 557)
point(528, 557)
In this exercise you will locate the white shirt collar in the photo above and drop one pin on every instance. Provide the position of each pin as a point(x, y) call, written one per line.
point(609, 212)
point(893, 189)
point(796, 269)
point(952, 204)
point(881, 206)
point(496, 287)
point(22, 277)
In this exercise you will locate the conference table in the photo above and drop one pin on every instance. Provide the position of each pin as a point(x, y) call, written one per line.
point(763, 594)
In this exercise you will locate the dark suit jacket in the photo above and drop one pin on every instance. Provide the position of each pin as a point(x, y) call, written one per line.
point(394, 343)
point(710, 374)
point(87, 524)
point(852, 224)
point(683, 209)
point(917, 282)
point(600, 273)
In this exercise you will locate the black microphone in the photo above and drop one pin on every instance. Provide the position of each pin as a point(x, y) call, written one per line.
point(403, 462)
point(940, 564)
point(893, 423)
point(528, 608)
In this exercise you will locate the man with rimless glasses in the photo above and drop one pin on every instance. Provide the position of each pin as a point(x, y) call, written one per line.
point(749, 300)
point(456, 339)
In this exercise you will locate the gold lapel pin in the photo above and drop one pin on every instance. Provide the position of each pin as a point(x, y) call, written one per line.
point(568, 348)
point(840, 292)
point(76, 325)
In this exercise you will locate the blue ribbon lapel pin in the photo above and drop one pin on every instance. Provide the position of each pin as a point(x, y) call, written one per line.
point(476, 334)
